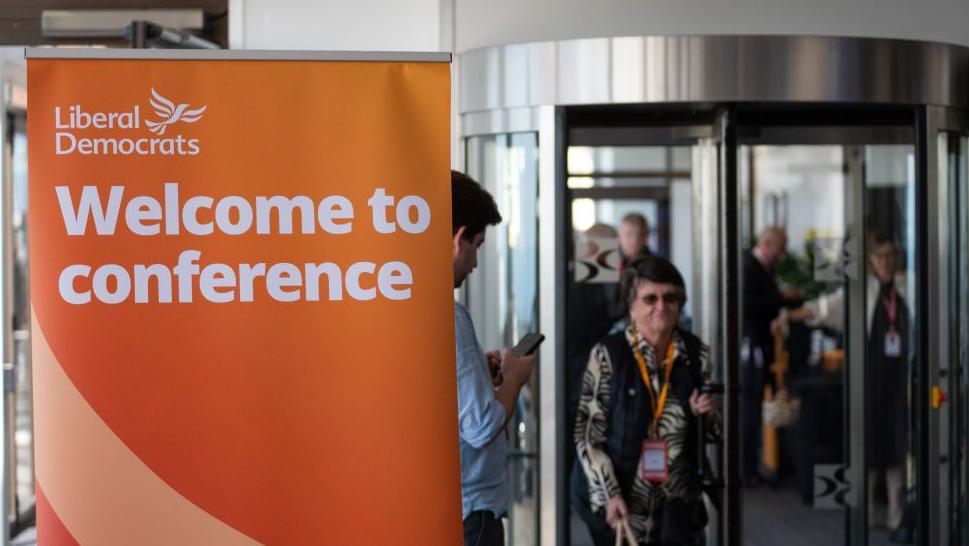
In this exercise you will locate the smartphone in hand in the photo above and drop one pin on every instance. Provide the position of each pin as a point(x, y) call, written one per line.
point(528, 344)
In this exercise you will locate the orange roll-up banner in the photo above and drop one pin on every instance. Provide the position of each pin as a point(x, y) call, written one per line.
point(242, 300)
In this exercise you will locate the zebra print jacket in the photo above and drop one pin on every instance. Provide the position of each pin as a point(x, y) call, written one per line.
point(612, 419)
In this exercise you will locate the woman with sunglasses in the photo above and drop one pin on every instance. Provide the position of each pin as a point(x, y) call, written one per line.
point(636, 431)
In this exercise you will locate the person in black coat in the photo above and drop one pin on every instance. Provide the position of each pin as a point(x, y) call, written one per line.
point(593, 308)
point(762, 302)
point(888, 371)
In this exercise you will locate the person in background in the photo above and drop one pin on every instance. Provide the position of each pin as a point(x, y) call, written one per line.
point(888, 348)
point(593, 309)
point(762, 302)
point(486, 399)
point(638, 419)
point(633, 237)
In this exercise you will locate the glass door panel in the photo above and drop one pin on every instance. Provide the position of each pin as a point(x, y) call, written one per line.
point(891, 320)
point(503, 299)
point(19, 401)
point(835, 461)
point(23, 398)
point(623, 201)
point(797, 215)
point(827, 359)
point(954, 166)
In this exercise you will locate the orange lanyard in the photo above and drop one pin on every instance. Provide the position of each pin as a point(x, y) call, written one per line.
point(656, 406)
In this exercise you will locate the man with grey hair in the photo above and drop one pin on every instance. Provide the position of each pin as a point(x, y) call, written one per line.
point(633, 236)
point(762, 302)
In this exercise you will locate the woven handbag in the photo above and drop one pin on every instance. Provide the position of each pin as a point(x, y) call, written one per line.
point(780, 409)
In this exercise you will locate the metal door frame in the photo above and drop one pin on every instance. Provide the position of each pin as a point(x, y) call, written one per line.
point(863, 125)
point(662, 126)
point(931, 264)
point(941, 337)
point(959, 378)
point(959, 384)
point(787, 125)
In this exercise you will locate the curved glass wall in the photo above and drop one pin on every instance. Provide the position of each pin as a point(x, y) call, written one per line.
point(23, 397)
point(503, 295)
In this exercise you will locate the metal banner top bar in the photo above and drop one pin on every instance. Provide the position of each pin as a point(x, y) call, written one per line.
point(235, 55)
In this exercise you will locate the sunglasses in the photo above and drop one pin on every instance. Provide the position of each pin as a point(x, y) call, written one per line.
point(669, 298)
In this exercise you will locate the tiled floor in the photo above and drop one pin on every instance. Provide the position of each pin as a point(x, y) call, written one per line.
point(773, 517)
point(777, 516)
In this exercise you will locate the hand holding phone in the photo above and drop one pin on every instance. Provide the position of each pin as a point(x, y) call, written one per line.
point(494, 366)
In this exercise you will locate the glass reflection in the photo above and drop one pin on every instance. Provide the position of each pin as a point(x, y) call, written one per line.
point(890, 326)
point(507, 165)
point(23, 398)
point(802, 365)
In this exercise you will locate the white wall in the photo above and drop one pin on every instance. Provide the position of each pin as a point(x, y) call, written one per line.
point(358, 25)
point(348, 25)
point(481, 23)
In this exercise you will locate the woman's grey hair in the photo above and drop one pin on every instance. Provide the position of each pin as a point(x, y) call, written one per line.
point(653, 269)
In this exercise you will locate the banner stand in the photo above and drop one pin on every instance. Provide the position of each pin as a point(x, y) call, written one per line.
point(228, 251)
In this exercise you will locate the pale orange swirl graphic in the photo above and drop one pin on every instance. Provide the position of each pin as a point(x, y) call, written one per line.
point(78, 455)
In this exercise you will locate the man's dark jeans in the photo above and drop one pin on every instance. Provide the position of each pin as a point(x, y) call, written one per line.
point(483, 529)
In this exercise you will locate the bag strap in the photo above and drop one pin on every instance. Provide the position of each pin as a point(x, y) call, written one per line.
point(624, 533)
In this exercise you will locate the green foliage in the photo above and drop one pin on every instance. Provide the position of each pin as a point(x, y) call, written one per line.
point(797, 270)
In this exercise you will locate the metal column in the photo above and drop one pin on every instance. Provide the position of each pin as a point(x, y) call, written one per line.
point(730, 304)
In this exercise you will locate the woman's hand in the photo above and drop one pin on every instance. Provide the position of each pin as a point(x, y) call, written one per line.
point(615, 511)
point(702, 404)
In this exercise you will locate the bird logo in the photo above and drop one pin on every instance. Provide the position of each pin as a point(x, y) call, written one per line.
point(170, 113)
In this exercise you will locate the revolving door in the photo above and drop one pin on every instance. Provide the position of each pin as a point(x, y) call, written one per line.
point(858, 155)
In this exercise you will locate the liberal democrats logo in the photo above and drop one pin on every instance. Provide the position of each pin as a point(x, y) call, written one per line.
point(170, 113)
point(81, 131)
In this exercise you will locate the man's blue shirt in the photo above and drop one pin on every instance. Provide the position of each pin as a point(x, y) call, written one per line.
point(484, 476)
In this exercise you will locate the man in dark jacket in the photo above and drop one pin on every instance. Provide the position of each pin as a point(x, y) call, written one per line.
point(633, 237)
point(762, 302)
